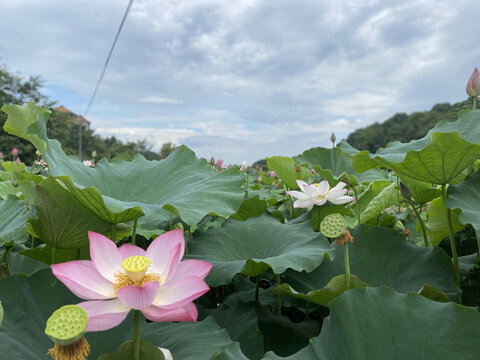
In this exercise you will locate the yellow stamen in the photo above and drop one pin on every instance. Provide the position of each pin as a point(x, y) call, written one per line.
point(136, 267)
point(123, 279)
point(77, 351)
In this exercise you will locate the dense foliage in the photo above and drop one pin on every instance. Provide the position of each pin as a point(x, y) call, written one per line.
point(399, 280)
point(404, 127)
point(15, 89)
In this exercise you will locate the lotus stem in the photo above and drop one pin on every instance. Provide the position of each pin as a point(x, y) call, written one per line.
point(456, 271)
point(347, 264)
point(257, 287)
point(279, 299)
point(134, 231)
point(171, 221)
point(136, 335)
point(422, 224)
point(357, 208)
point(474, 103)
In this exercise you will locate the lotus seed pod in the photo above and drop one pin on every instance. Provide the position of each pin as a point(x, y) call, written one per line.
point(67, 325)
point(333, 226)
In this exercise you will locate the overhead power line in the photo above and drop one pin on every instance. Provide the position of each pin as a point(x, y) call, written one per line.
point(108, 59)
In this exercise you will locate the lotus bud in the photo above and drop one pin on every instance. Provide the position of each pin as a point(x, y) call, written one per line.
point(313, 171)
point(38, 153)
point(18, 161)
point(473, 84)
point(66, 328)
point(272, 174)
point(333, 138)
point(219, 163)
point(212, 161)
point(405, 191)
point(14, 151)
point(277, 185)
point(259, 179)
point(94, 154)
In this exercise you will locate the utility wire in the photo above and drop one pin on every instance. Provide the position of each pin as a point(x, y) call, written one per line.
point(108, 59)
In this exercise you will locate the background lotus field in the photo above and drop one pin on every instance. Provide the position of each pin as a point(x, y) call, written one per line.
point(277, 287)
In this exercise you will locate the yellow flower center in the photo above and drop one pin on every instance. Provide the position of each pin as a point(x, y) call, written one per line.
point(136, 267)
point(135, 272)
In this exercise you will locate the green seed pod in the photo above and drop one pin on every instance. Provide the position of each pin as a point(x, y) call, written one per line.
point(333, 226)
point(67, 325)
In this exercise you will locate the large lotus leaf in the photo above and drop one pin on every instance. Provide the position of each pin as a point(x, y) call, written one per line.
point(437, 227)
point(381, 256)
point(63, 221)
point(288, 170)
point(232, 352)
point(323, 296)
point(7, 188)
point(331, 163)
point(253, 246)
point(181, 184)
point(379, 323)
point(386, 198)
point(466, 197)
point(251, 207)
point(13, 220)
point(28, 302)
point(147, 351)
point(438, 158)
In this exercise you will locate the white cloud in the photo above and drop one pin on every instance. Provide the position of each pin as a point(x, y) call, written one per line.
point(160, 100)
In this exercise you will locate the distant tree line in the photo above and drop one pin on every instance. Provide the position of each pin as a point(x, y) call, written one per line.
point(15, 89)
point(404, 127)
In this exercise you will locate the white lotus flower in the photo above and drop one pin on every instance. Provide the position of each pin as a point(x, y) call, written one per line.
point(318, 194)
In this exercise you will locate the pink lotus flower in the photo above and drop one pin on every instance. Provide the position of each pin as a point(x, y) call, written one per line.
point(154, 281)
point(219, 163)
point(14, 151)
point(318, 194)
point(473, 85)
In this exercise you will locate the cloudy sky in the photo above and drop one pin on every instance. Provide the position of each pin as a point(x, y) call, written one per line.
point(244, 79)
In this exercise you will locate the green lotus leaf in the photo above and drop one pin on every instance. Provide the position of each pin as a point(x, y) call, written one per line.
point(28, 302)
point(379, 323)
point(251, 207)
point(232, 352)
point(335, 287)
point(253, 246)
point(13, 220)
point(437, 227)
point(180, 184)
point(466, 197)
point(288, 170)
point(422, 192)
point(331, 163)
point(438, 158)
point(382, 257)
point(63, 221)
point(386, 198)
point(125, 352)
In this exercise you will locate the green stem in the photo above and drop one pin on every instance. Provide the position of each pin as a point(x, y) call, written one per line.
point(422, 224)
point(307, 310)
point(257, 287)
point(279, 300)
point(136, 334)
point(113, 232)
point(478, 245)
point(319, 216)
point(134, 231)
point(33, 242)
point(347, 264)
point(186, 242)
point(356, 204)
point(456, 271)
point(171, 220)
point(398, 193)
point(474, 103)
point(54, 250)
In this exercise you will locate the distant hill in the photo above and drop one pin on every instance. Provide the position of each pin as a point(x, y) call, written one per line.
point(404, 127)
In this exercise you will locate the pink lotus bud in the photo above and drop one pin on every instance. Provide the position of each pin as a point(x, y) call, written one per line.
point(277, 185)
point(312, 170)
point(272, 174)
point(219, 163)
point(17, 160)
point(14, 151)
point(259, 179)
point(212, 161)
point(333, 138)
point(473, 85)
